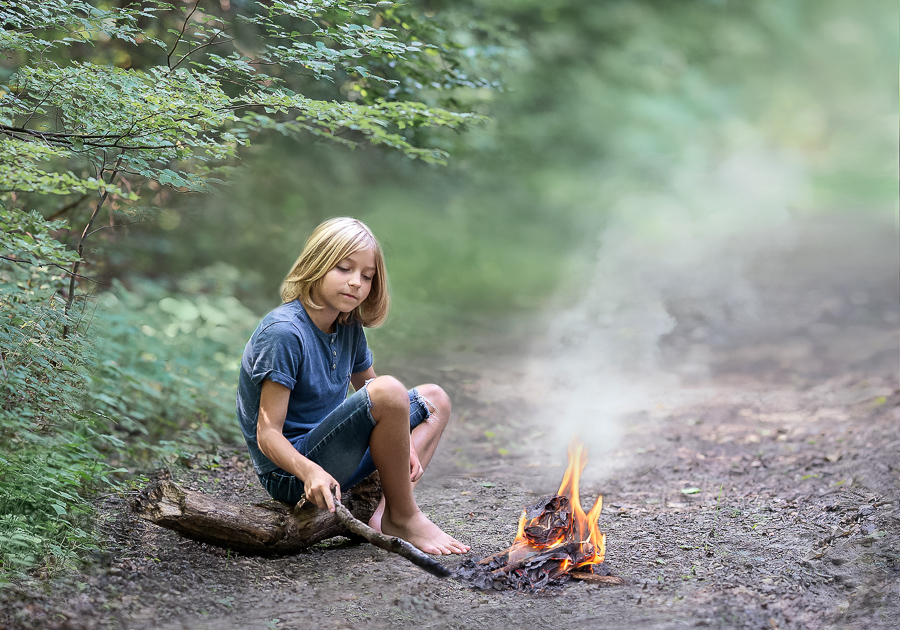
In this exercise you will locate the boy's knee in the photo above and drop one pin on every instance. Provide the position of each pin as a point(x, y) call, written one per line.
point(438, 398)
point(386, 393)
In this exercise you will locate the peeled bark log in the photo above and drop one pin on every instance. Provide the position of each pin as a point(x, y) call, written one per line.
point(270, 528)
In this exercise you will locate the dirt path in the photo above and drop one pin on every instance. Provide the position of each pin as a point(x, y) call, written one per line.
point(764, 496)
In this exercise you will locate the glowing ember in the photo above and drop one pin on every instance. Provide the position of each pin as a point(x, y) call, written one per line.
point(555, 540)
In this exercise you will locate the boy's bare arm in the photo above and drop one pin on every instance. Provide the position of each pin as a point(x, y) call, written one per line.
point(317, 483)
point(359, 379)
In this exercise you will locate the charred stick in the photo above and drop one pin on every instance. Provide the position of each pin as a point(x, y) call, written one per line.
point(499, 556)
point(521, 562)
point(389, 543)
point(611, 580)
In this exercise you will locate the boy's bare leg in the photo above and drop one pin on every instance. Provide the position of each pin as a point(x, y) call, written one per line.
point(425, 437)
point(389, 445)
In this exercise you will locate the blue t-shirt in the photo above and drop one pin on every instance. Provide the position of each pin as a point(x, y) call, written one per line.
point(289, 349)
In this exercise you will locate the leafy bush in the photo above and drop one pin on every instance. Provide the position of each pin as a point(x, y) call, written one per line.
point(155, 382)
point(170, 360)
point(50, 452)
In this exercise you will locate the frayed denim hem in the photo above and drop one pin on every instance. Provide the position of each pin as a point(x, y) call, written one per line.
point(417, 397)
point(365, 388)
point(426, 404)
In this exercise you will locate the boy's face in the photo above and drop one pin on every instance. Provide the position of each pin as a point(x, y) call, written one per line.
point(347, 285)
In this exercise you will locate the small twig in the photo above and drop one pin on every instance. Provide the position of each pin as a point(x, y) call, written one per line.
point(180, 35)
point(41, 102)
point(84, 234)
point(609, 580)
point(389, 543)
point(106, 227)
point(3, 367)
point(210, 42)
point(66, 208)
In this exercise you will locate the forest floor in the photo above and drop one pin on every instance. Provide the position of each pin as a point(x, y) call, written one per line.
point(789, 450)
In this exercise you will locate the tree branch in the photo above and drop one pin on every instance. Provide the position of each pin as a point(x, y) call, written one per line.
point(40, 264)
point(9, 130)
point(62, 138)
point(180, 35)
point(84, 234)
point(67, 207)
point(206, 44)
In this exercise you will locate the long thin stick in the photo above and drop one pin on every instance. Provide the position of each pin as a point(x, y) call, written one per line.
point(390, 543)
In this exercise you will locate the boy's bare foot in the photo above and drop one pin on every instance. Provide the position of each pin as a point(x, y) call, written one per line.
point(375, 521)
point(423, 534)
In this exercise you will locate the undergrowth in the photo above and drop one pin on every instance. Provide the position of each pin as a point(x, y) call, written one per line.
point(144, 378)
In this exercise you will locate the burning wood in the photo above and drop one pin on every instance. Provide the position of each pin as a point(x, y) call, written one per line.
point(555, 541)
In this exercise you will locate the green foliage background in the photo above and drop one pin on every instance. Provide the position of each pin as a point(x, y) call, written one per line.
point(584, 103)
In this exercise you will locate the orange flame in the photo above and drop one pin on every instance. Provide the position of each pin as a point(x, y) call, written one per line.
point(584, 528)
point(587, 532)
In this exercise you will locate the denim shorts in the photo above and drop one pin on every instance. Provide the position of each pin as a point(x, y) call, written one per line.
point(340, 445)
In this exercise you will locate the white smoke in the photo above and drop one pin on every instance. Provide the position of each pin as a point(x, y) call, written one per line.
point(682, 250)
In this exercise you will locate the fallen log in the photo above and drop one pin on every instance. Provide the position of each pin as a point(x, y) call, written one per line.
point(269, 528)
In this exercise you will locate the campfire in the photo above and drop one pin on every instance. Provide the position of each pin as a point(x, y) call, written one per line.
point(555, 541)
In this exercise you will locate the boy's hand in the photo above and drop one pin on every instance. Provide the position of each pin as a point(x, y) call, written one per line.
point(415, 466)
point(318, 486)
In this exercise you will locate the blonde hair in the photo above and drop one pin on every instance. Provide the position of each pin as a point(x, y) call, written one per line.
point(329, 244)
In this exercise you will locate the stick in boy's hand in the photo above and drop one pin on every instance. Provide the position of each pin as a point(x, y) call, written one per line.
point(320, 487)
point(389, 543)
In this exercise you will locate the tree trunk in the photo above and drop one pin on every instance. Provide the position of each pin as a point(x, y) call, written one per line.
point(269, 528)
